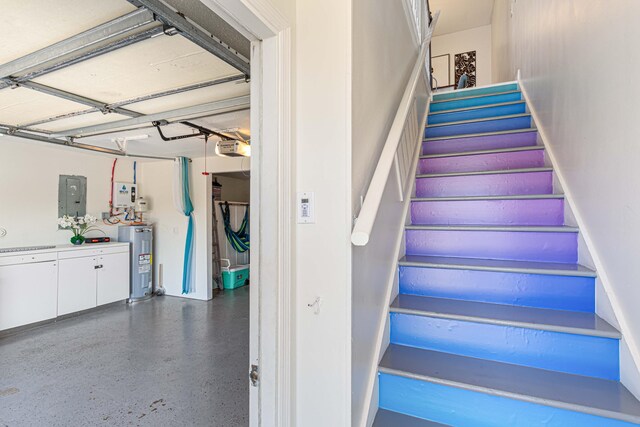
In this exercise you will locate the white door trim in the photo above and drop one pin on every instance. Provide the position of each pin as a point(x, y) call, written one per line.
point(272, 225)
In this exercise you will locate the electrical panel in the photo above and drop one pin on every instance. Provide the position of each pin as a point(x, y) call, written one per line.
point(124, 194)
point(72, 195)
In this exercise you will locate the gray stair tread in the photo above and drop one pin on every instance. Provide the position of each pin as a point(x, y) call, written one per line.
point(573, 392)
point(571, 322)
point(490, 172)
point(494, 151)
point(551, 268)
point(386, 418)
point(473, 135)
point(474, 96)
point(477, 107)
point(466, 198)
point(483, 119)
point(521, 228)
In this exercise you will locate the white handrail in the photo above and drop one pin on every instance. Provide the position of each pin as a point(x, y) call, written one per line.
point(369, 212)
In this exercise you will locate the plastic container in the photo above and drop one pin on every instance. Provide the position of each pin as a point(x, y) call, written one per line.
point(235, 277)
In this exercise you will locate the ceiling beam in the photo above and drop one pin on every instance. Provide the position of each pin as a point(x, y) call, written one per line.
point(196, 111)
point(195, 34)
point(75, 45)
point(100, 106)
point(116, 105)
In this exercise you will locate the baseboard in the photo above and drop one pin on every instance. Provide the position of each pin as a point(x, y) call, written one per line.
point(369, 408)
point(631, 343)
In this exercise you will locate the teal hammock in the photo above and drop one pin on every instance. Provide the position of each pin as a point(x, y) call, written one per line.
point(239, 239)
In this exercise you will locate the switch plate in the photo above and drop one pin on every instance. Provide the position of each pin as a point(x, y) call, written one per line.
point(306, 208)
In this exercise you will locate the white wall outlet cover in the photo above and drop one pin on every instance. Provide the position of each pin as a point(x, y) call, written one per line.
point(306, 208)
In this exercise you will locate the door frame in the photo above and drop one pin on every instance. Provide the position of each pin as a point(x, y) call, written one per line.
point(272, 214)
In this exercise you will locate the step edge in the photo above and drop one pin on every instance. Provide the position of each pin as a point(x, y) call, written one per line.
point(506, 92)
point(510, 395)
point(481, 134)
point(481, 152)
point(471, 89)
point(480, 120)
point(523, 270)
point(427, 422)
point(516, 324)
point(490, 172)
point(507, 228)
point(478, 107)
point(472, 198)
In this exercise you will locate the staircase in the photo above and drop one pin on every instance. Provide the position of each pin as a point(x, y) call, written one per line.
point(495, 322)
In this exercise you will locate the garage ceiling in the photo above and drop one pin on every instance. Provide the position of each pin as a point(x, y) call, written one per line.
point(93, 71)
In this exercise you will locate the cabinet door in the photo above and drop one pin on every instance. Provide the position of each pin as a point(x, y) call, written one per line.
point(76, 284)
point(113, 278)
point(27, 293)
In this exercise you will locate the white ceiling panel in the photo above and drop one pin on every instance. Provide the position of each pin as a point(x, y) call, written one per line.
point(29, 25)
point(151, 66)
point(460, 15)
point(23, 105)
point(193, 97)
point(80, 121)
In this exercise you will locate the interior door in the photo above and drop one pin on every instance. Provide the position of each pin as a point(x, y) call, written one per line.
point(113, 278)
point(76, 284)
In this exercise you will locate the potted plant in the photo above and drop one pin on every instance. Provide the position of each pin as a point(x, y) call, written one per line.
point(79, 226)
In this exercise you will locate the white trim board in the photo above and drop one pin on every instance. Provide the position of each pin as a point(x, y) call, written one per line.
point(368, 413)
point(630, 340)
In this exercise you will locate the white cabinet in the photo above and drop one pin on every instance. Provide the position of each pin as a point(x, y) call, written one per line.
point(76, 284)
point(113, 278)
point(87, 281)
point(42, 284)
point(28, 292)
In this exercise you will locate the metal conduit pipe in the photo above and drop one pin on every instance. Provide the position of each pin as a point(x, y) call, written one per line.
point(9, 131)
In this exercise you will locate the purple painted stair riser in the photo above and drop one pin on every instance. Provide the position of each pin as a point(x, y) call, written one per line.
point(507, 184)
point(474, 143)
point(489, 212)
point(483, 162)
point(557, 247)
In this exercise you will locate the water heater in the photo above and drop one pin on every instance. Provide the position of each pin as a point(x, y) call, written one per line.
point(140, 238)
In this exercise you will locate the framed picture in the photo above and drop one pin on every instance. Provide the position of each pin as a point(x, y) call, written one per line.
point(466, 63)
point(441, 65)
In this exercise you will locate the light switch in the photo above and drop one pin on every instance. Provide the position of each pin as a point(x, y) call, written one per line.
point(306, 208)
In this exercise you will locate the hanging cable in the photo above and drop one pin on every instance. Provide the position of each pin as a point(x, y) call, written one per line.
point(206, 139)
point(113, 171)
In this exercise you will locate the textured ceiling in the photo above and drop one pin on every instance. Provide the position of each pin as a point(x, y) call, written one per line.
point(151, 66)
point(460, 15)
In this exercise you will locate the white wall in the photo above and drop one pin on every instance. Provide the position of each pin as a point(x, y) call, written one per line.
point(384, 52)
point(171, 225)
point(577, 60)
point(478, 39)
point(29, 173)
point(323, 252)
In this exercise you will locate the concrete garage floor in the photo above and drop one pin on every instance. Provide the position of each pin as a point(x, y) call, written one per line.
point(163, 362)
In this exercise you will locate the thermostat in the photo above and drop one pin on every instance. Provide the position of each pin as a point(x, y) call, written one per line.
point(306, 208)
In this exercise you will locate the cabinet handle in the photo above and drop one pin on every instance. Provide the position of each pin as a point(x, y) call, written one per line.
point(98, 266)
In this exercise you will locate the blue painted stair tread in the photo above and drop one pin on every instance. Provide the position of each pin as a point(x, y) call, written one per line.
point(498, 265)
point(493, 110)
point(454, 104)
point(386, 418)
point(482, 90)
point(572, 322)
point(589, 396)
point(559, 292)
point(518, 121)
